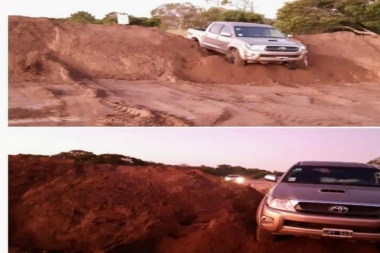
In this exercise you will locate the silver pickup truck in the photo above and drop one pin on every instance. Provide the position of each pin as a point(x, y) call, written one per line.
point(244, 43)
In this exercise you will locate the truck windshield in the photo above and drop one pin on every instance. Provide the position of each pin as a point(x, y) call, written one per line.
point(334, 176)
point(257, 32)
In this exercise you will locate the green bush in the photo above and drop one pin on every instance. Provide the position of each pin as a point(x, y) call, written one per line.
point(148, 22)
point(82, 17)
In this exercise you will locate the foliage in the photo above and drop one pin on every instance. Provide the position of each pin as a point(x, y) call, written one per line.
point(316, 16)
point(375, 161)
point(82, 17)
point(89, 157)
point(220, 14)
point(269, 21)
point(224, 170)
point(242, 5)
point(178, 15)
point(154, 21)
point(110, 18)
point(99, 22)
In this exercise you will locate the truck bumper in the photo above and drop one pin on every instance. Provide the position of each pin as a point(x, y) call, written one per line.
point(285, 222)
point(273, 57)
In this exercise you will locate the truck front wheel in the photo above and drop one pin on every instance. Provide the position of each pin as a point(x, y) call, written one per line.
point(235, 58)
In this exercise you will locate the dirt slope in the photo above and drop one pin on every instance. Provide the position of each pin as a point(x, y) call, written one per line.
point(60, 206)
point(361, 50)
point(49, 51)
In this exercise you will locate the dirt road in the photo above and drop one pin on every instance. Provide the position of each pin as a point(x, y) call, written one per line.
point(151, 103)
point(108, 75)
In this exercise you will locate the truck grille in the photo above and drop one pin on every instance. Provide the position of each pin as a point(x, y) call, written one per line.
point(340, 210)
point(281, 49)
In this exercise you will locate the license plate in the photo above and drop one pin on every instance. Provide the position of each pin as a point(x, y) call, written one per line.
point(282, 58)
point(332, 232)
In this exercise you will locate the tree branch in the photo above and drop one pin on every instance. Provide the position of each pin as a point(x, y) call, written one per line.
point(363, 32)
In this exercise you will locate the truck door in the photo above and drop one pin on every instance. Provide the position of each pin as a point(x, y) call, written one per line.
point(210, 39)
point(224, 38)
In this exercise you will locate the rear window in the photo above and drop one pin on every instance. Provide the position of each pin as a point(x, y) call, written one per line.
point(333, 175)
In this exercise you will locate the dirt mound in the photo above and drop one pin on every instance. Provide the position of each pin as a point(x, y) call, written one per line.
point(44, 50)
point(50, 51)
point(363, 51)
point(64, 206)
point(60, 205)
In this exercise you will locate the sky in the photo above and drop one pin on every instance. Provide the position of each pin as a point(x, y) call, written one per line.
point(99, 8)
point(264, 148)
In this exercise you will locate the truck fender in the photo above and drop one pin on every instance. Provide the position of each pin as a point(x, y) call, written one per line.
point(241, 53)
point(196, 39)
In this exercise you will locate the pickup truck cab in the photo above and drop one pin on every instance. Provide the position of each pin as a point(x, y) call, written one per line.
point(244, 43)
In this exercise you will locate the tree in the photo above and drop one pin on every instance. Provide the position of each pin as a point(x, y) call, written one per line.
point(217, 3)
point(361, 14)
point(375, 161)
point(212, 14)
point(220, 14)
point(242, 5)
point(178, 15)
point(316, 16)
point(307, 16)
point(110, 18)
point(82, 17)
point(242, 16)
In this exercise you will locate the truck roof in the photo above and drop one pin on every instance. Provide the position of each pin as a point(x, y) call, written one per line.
point(241, 24)
point(337, 164)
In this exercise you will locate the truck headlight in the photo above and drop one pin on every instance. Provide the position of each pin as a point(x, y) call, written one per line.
point(240, 180)
point(282, 204)
point(303, 48)
point(256, 47)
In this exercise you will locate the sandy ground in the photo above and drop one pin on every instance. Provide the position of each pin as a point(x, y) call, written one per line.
point(151, 103)
point(93, 75)
point(60, 205)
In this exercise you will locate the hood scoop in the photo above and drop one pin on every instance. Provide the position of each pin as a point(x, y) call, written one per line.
point(272, 40)
point(332, 191)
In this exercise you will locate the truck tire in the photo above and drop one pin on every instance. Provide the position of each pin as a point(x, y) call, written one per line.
point(263, 235)
point(196, 40)
point(291, 65)
point(236, 59)
point(297, 65)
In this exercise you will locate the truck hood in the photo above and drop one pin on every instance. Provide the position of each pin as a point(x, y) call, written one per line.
point(269, 42)
point(333, 193)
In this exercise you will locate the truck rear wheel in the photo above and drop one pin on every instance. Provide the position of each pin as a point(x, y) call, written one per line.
point(236, 59)
point(263, 235)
